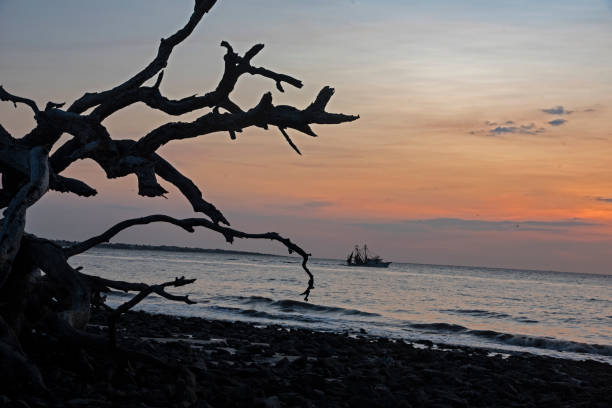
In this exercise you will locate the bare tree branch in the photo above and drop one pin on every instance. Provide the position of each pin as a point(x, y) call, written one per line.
point(70, 185)
point(5, 137)
point(111, 232)
point(119, 158)
point(262, 115)
point(115, 159)
point(147, 183)
point(104, 285)
point(59, 302)
point(288, 139)
point(166, 171)
point(6, 96)
point(13, 223)
point(235, 67)
point(166, 46)
point(146, 291)
point(188, 225)
point(50, 258)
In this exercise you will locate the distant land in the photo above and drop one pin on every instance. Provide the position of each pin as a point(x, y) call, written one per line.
point(172, 248)
point(168, 248)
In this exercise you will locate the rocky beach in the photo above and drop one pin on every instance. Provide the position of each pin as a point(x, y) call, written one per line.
point(167, 361)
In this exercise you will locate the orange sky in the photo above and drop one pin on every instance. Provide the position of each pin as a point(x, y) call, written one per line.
point(453, 140)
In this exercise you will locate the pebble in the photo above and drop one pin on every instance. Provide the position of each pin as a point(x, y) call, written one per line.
point(220, 364)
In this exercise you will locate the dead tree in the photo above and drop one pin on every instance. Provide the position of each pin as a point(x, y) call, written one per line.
point(39, 290)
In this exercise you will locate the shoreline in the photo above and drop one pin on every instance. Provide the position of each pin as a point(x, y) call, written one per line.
point(213, 363)
point(502, 349)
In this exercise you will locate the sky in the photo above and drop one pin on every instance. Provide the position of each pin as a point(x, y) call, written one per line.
point(484, 136)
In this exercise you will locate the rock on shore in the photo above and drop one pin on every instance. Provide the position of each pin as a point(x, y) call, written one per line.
point(192, 362)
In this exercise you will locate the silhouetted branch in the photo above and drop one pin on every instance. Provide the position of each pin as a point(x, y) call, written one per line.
point(104, 285)
point(13, 223)
point(288, 139)
point(59, 301)
point(235, 67)
point(166, 46)
point(70, 185)
point(144, 292)
point(188, 225)
point(50, 258)
point(5, 137)
point(190, 191)
point(6, 96)
point(262, 115)
point(119, 158)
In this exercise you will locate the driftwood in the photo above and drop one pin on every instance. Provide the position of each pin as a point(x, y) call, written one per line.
point(39, 291)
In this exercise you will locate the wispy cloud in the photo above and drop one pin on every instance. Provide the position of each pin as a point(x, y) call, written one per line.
point(525, 129)
point(604, 199)
point(557, 122)
point(503, 129)
point(509, 127)
point(557, 110)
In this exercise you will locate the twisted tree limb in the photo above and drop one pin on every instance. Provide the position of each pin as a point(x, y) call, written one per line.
point(262, 115)
point(144, 292)
point(188, 225)
point(13, 223)
point(235, 67)
point(100, 284)
point(49, 257)
point(160, 61)
point(121, 157)
point(70, 185)
point(59, 302)
point(6, 96)
point(189, 190)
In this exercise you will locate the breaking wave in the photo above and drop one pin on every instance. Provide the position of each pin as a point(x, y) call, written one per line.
point(477, 312)
point(488, 314)
point(448, 327)
point(290, 306)
point(543, 342)
point(519, 339)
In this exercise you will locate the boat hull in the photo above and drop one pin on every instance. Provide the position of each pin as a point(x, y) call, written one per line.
point(372, 265)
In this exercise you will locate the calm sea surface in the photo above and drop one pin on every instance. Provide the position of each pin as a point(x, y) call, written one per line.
point(557, 314)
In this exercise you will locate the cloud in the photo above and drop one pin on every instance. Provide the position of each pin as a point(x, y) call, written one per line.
point(480, 225)
point(604, 199)
point(508, 127)
point(525, 129)
point(557, 110)
point(557, 122)
point(504, 129)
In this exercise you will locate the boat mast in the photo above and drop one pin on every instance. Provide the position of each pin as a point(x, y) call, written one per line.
point(357, 257)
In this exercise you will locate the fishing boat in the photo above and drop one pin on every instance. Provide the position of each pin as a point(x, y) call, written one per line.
point(360, 257)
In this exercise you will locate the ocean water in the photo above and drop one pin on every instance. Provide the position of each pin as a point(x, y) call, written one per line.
point(562, 315)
